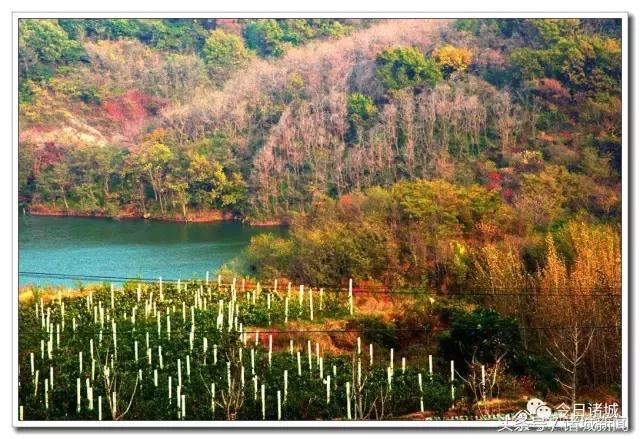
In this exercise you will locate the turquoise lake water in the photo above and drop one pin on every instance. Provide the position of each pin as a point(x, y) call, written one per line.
point(126, 249)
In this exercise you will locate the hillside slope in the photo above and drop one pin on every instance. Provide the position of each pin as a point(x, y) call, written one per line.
point(261, 117)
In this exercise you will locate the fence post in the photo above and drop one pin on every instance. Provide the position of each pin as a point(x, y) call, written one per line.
point(351, 296)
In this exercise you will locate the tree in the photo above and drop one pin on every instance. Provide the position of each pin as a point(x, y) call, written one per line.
point(42, 46)
point(173, 34)
point(95, 171)
point(526, 65)
point(452, 59)
point(270, 37)
point(568, 351)
point(497, 268)
point(403, 67)
point(563, 49)
point(116, 387)
point(224, 53)
point(179, 190)
point(482, 335)
point(209, 185)
point(91, 28)
point(26, 177)
point(155, 159)
point(296, 30)
point(234, 192)
point(265, 37)
point(56, 181)
point(444, 207)
point(568, 342)
point(542, 197)
point(362, 112)
point(269, 256)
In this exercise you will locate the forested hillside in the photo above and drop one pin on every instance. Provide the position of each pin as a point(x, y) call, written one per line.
point(168, 117)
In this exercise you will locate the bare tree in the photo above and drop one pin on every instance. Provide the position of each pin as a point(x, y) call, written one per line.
point(568, 352)
point(232, 397)
point(114, 386)
point(487, 388)
point(368, 403)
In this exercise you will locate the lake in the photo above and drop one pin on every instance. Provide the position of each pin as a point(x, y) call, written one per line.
point(97, 247)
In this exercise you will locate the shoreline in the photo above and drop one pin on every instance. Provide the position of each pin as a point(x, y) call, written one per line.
point(198, 217)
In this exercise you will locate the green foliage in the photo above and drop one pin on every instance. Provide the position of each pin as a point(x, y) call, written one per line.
point(540, 368)
point(543, 196)
point(209, 185)
point(393, 234)
point(296, 31)
point(447, 132)
point(177, 34)
point(480, 27)
point(443, 206)
point(437, 396)
point(332, 28)
point(581, 61)
point(482, 335)
point(101, 179)
point(112, 29)
point(335, 252)
point(224, 53)
point(26, 182)
point(42, 46)
point(484, 163)
point(180, 34)
point(362, 112)
point(327, 246)
point(468, 25)
point(361, 109)
point(265, 37)
point(268, 256)
point(118, 28)
point(151, 402)
point(295, 88)
point(526, 65)
point(404, 188)
point(376, 331)
point(403, 67)
point(271, 37)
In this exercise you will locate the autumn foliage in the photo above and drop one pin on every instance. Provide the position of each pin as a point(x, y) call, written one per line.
point(131, 111)
point(452, 59)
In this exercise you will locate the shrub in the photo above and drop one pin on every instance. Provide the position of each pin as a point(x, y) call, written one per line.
point(403, 67)
point(481, 334)
point(362, 112)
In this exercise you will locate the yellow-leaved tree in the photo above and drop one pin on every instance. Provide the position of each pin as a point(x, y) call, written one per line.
point(452, 59)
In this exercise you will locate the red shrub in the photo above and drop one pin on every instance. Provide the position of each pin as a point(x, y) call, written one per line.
point(495, 180)
point(552, 89)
